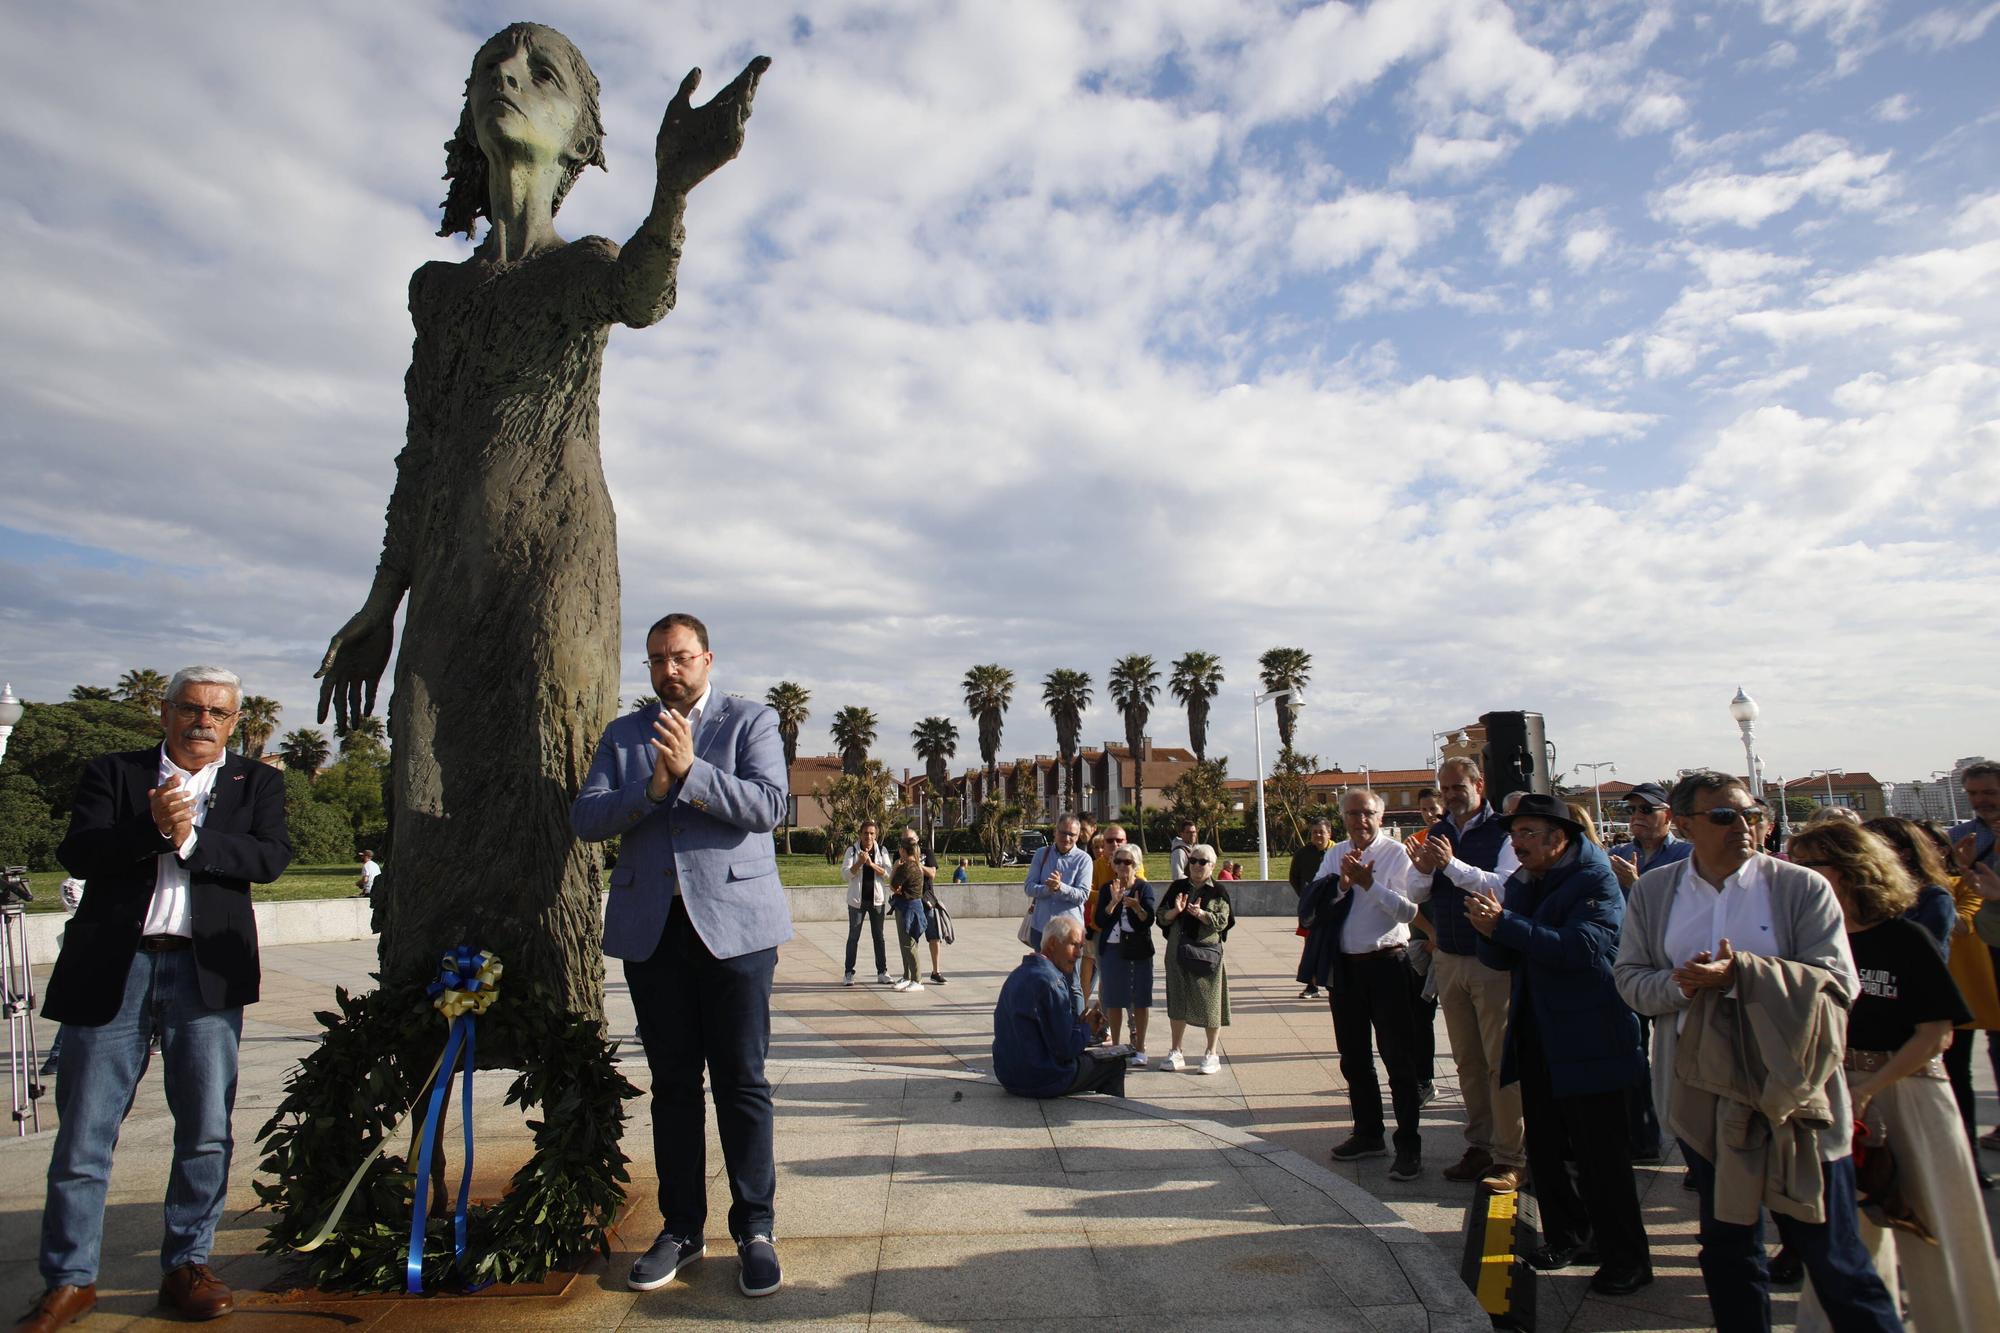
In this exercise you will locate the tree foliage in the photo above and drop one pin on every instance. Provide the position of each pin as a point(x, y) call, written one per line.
point(305, 751)
point(1134, 683)
point(998, 823)
point(853, 732)
point(791, 702)
point(143, 688)
point(1288, 801)
point(1196, 679)
point(1285, 669)
point(254, 728)
point(853, 797)
point(1202, 794)
point(989, 689)
point(1066, 693)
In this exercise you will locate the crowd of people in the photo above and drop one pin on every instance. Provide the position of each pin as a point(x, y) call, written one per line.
point(1800, 1019)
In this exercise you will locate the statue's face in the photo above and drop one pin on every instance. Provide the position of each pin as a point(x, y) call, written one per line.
point(524, 97)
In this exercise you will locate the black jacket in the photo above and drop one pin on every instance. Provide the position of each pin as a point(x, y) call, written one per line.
point(113, 845)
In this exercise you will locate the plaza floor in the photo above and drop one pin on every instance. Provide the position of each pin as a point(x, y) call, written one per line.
point(912, 1192)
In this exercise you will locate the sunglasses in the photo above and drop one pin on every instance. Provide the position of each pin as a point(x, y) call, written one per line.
point(1722, 816)
point(1641, 808)
point(1199, 861)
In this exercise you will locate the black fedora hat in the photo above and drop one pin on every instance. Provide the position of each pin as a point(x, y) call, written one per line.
point(1535, 805)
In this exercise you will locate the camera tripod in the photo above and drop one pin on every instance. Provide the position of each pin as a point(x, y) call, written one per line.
point(17, 991)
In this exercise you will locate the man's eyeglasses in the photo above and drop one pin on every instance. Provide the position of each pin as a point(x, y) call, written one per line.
point(1641, 808)
point(193, 711)
point(1518, 832)
point(1722, 816)
point(681, 660)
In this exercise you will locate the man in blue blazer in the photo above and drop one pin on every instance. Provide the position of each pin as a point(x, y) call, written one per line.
point(693, 787)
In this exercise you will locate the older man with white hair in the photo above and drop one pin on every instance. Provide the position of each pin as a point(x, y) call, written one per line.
point(170, 841)
point(1358, 913)
point(1040, 1047)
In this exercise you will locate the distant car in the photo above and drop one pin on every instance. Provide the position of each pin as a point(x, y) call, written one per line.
point(1031, 842)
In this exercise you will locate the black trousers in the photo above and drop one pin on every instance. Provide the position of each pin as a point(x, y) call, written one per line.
point(874, 915)
point(1371, 994)
point(1602, 1201)
point(1642, 1121)
point(698, 1012)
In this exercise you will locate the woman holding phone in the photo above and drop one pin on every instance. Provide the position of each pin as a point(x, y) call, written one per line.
point(1123, 912)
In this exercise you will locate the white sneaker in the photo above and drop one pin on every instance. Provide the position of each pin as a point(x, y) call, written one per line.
point(847, 980)
point(1174, 1063)
point(1137, 1060)
point(902, 983)
point(1211, 1063)
point(912, 985)
point(881, 978)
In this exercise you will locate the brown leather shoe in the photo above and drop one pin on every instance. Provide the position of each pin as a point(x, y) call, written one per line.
point(197, 1292)
point(1501, 1179)
point(1470, 1167)
point(58, 1306)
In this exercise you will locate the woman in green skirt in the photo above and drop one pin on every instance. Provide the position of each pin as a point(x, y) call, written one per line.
point(1195, 913)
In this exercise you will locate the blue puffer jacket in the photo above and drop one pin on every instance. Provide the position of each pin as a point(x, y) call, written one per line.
point(1559, 937)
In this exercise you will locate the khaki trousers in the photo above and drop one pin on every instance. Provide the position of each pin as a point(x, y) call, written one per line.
point(1474, 998)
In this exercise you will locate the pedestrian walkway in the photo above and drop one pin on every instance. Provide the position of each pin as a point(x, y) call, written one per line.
point(912, 1191)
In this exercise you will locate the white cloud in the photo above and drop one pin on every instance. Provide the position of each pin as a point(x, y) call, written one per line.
point(1452, 158)
point(1362, 222)
point(1526, 224)
point(1778, 55)
point(1813, 166)
point(1943, 28)
point(1895, 110)
point(1653, 109)
point(1584, 246)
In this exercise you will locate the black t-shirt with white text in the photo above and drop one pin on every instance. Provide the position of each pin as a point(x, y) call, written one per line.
point(1903, 983)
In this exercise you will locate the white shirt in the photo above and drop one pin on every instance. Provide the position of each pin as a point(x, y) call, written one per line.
point(1704, 914)
point(1381, 915)
point(1468, 876)
point(369, 870)
point(171, 911)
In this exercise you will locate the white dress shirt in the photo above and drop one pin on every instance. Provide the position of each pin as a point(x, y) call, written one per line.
point(1381, 915)
point(1471, 876)
point(1705, 914)
point(171, 911)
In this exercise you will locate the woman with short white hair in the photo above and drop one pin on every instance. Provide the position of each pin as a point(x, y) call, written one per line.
point(1196, 915)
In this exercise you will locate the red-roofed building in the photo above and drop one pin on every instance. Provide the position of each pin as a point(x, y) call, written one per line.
point(1398, 788)
point(1859, 792)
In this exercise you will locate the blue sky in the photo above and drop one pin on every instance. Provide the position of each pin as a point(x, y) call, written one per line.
point(1592, 357)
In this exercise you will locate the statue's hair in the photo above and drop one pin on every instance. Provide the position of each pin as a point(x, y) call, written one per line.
point(465, 197)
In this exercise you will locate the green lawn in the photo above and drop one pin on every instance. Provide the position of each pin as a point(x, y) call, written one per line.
point(337, 881)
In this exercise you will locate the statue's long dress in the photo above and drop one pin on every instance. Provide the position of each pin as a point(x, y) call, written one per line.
point(508, 672)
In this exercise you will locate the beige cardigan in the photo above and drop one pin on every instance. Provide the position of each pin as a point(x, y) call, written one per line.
point(1807, 927)
point(1750, 1086)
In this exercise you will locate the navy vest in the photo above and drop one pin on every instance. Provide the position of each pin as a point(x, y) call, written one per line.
point(1481, 848)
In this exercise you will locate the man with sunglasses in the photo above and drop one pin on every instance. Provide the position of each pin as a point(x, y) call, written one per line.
point(170, 841)
point(1685, 926)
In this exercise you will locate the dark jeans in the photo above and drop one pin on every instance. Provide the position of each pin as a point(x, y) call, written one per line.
point(874, 915)
point(1738, 1276)
point(1601, 1204)
point(1372, 992)
point(909, 929)
point(1642, 1121)
point(698, 1010)
point(1099, 1071)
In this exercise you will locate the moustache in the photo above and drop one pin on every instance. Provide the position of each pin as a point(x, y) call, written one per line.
point(198, 732)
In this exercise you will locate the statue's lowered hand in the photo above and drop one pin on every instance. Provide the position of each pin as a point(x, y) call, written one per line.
point(352, 668)
point(694, 141)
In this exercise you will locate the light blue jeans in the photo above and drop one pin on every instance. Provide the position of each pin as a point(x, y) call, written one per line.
point(96, 1079)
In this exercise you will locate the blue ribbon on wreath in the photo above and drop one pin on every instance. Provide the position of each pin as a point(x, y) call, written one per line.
point(467, 985)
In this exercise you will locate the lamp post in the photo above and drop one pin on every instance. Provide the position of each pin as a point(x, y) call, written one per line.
point(10, 716)
point(1597, 785)
point(1454, 735)
point(1829, 774)
point(1257, 701)
point(1744, 709)
point(1950, 776)
point(1366, 785)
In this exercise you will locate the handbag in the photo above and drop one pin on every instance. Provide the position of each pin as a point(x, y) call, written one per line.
point(1200, 959)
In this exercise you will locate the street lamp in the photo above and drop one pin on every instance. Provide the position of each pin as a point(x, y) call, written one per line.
point(1829, 774)
point(1365, 783)
point(1597, 786)
point(1950, 776)
point(1744, 709)
point(1453, 735)
point(1257, 701)
point(10, 716)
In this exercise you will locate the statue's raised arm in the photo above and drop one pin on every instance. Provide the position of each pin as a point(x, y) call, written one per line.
point(694, 142)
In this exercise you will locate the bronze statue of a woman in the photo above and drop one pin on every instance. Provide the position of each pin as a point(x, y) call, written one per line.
point(500, 529)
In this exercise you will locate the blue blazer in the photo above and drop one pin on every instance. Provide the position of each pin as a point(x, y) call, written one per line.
point(711, 835)
point(1559, 937)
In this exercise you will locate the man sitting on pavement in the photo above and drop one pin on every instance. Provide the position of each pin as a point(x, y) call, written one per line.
point(1040, 1047)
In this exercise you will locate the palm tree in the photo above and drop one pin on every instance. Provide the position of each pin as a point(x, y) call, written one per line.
point(365, 733)
point(988, 691)
point(1197, 678)
point(935, 739)
point(853, 731)
point(259, 720)
point(789, 700)
point(143, 688)
point(1286, 669)
point(1134, 683)
point(83, 693)
point(1066, 694)
point(305, 750)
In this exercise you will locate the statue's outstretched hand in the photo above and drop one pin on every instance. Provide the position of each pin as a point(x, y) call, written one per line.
point(694, 141)
point(352, 668)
